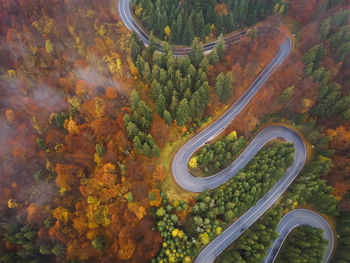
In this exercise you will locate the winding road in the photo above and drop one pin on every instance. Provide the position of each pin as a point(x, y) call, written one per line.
point(128, 19)
point(191, 183)
point(297, 218)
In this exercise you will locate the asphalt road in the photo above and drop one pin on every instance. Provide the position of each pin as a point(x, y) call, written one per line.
point(196, 184)
point(125, 14)
point(297, 218)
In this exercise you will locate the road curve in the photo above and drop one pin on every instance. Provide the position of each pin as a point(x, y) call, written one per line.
point(126, 16)
point(295, 218)
point(195, 184)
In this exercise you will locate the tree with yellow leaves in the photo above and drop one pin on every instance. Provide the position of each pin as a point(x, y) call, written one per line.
point(71, 126)
point(193, 162)
point(61, 214)
point(12, 203)
point(204, 238)
point(48, 45)
point(167, 32)
point(232, 136)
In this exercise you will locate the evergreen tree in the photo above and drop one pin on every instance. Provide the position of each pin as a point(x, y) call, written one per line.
point(188, 34)
point(45, 249)
point(220, 47)
point(325, 27)
point(137, 144)
point(100, 150)
point(213, 57)
point(58, 250)
point(134, 100)
point(204, 64)
point(173, 106)
point(183, 113)
point(99, 242)
point(167, 117)
point(223, 86)
point(136, 46)
point(219, 85)
point(152, 44)
point(147, 150)
point(287, 94)
point(177, 29)
point(196, 52)
point(160, 103)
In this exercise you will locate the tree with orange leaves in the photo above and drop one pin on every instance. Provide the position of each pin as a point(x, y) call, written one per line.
point(111, 93)
point(65, 177)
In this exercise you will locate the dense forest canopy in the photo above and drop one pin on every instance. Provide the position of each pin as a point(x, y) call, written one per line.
point(90, 119)
point(182, 21)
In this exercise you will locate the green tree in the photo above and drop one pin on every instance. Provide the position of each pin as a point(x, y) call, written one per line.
point(196, 52)
point(287, 94)
point(167, 117)
point(183, 113)
point(160, 103)
point(58, 250)
point(152, 44)
point(188, 34)
point(220, 47)
point(136, 46)
point(173, 106)
point(325, 26)
point(99, 242)
point(137, 144)
point(100, 150)
point(213, 57)
point(223, 86)
point(45, 249)
point(147, 150)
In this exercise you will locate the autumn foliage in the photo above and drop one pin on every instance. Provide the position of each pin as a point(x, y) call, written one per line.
point(66, 164)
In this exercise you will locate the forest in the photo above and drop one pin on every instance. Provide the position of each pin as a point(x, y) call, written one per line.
point(304, 244)
point(90, 119)
point(214, 210)
point(214, 157)
point(251, 246)
point(179, 22)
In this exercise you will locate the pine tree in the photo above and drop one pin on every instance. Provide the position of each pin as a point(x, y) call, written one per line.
point(147, 150)
point(227, 90)
point(135, 100)
point(136, 46)
point(167, 117)
point(58, 250)
point(219, 23)
point(137, 144)
point(325, 27)
point(152, 44)
point(45, 249)
point(196, 52)
point(188, 34)
point(219, 85)
point(173, 106)
point(200, 26)
point(99, 242)
point(160, 103)
point(220, 47)
point(213, 56)
point(204, 64)
point(146, 73)
point(183, 113)
point(178, 28)
point(100, 150)
point(131, 128)
point(140, 63)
